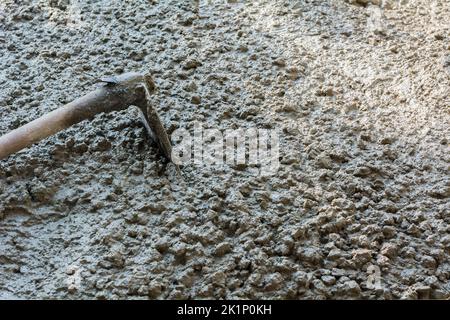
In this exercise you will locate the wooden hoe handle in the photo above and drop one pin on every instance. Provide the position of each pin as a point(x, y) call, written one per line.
point(111, 97)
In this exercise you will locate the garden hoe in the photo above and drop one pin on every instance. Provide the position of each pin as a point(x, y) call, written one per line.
point(116, 94)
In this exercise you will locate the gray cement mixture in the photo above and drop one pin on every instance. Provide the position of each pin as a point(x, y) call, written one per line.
point(359, 208)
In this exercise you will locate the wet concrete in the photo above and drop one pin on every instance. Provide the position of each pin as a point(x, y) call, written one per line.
point(359, 91)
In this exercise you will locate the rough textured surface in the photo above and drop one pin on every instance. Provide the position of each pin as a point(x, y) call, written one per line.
point(358, 89)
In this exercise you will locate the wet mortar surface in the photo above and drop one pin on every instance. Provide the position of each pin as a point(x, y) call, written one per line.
point(358, 91)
